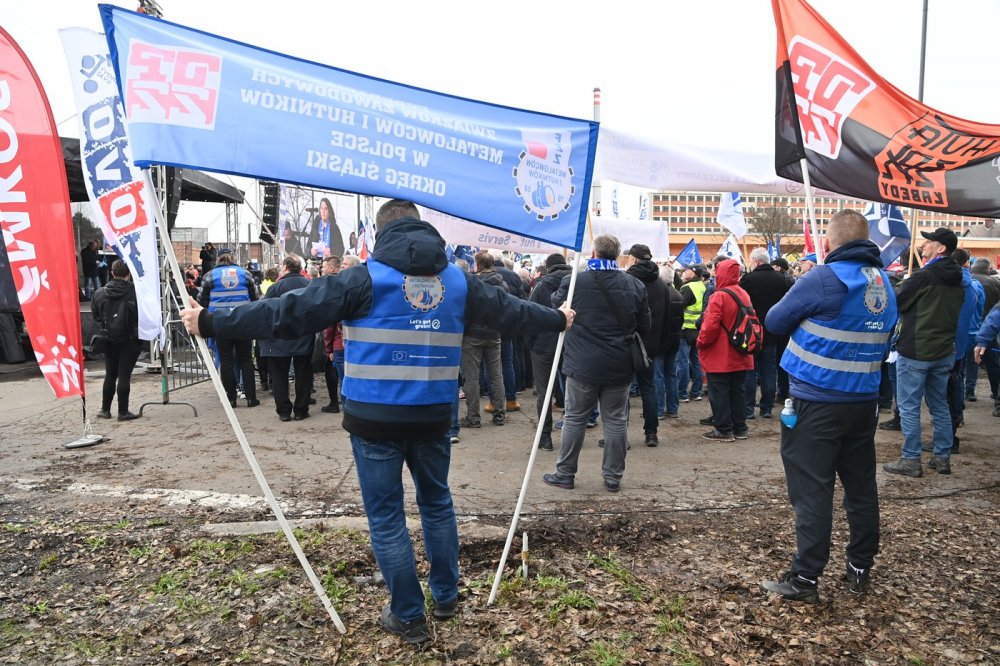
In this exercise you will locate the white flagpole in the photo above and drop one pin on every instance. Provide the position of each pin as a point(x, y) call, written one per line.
point(812, 210)
point(168, 249)
point(546, 405)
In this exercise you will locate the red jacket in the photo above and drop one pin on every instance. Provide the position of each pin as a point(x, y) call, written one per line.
point(714, 348)
point(333, 338)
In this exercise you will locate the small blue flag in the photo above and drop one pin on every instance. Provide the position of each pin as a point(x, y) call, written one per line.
point(888, 230)
point(690, 255)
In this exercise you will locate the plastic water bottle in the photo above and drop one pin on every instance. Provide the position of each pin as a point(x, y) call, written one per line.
point(788, 415)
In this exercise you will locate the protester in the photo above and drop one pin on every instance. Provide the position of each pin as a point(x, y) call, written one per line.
point(89, 258)
point(688, 363)
point(333, 344)
point(983, 273)
point(969, 319)
point(839, 316)
point(208, 256)
point(597, 361)
point(404, 417)
point(115, 308)
point(986, 340)
point(930, 301)
point(480, 345)
point(766, 286)
point(641, 267)
point(665, 363)
point(228, 286)
point(542, 346)
point(725, 366)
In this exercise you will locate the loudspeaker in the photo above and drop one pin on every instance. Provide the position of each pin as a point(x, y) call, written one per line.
point(269, 212)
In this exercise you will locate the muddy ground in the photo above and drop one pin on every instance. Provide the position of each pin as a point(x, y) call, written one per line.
point(138, 550)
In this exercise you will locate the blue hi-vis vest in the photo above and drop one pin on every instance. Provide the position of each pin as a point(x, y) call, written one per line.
point(408, 350)
point(846, 354)
point(229, 287)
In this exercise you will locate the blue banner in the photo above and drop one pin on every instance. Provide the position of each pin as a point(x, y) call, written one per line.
point(201, 101)
point(888, 230)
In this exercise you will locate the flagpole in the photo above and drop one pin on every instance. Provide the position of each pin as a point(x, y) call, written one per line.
point(812, 210)
point(546, 406)
point(213, 372)
point(920, 97)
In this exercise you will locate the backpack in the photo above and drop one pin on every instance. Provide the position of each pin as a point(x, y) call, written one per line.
point(747, 333)
point(118, 320)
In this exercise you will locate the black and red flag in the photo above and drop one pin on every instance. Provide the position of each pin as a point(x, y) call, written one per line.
point(863, 137)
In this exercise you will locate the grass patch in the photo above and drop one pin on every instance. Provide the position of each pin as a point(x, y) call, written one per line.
point(157, 522)
point(684, 656)
point(139, 552)
point(605, 653)
point(336, 589)
point(13, 528)
point(169, 582)
point(96, 543)
point(671, 620)
point(120, 525)
point(47, 561)
point(241, 582)
point(39, 609)
point(613, 566)
point(545, 583)
point(505, 651)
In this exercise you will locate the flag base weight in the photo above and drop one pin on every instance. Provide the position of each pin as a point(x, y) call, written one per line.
point(85, 441)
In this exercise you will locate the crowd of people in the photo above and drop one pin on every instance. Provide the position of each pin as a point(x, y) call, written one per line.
point(406, 338)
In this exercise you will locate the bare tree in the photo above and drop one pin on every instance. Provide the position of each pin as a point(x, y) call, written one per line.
point(772, 221)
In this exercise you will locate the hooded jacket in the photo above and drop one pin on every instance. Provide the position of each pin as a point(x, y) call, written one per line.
point(766, 287)
point(714, 348)
point(494, 279)
point(414, 248)
point(544, 344)
point(117, 297)
point(929, 304)
point(656, 291)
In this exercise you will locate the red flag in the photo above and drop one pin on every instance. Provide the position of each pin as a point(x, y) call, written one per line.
point(863, 137)
point(809, 246)
point(36, 221)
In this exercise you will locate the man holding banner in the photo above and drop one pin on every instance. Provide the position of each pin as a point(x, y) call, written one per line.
point(404, 314)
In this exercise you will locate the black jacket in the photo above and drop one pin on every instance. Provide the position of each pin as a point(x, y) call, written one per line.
point(673, 322)
point(544, 344)
point(766, 287)
point(410, 246)
point(494, 279)
point(595, 348)
point(117, 297)
point(656, 292)
point(929, 303)
point(279, 347)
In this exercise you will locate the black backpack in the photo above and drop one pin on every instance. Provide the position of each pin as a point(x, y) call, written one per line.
point(119, 319)
point(747, 333)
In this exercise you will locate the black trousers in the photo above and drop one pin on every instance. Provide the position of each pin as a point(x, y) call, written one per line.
point(831, 440)
point(278, 367)
point(727, 394)
point(235, 354)
point(119, 362)
point(332, 382)
point(541, 368)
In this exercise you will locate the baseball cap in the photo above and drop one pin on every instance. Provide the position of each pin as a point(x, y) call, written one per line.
point(640, 252)
point(944, 236)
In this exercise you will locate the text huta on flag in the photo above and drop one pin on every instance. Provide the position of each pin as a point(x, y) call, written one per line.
point(863, 137)
point(36, 221)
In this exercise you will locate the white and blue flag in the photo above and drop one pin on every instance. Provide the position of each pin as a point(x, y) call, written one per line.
point(888, 230)
point(690, 255)
point(731, 249)
point(731, 214)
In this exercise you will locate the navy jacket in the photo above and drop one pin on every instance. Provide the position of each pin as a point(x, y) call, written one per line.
point(299, 346)
point(415, 248)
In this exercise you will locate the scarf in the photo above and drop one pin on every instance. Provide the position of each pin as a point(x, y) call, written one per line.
point(602, 265)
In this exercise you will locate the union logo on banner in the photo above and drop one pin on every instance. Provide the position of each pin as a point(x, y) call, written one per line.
point(544, 177)
point(172, 86)
point(827, 89)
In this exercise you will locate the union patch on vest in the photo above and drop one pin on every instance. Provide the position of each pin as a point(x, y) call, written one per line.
point(423, 293)
point(229, 278)
point(876, 297)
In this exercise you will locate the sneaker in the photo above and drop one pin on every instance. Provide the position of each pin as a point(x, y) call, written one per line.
point(592, 423)
point(466, 423)
point(127, 416)
point(765, 415)
point(104, 414)
point(684, 399)
point(256, 403)
point(558, 481)
point(708, 420)
point(970, 396)
point(558, 424)
point(742, 434)
point(750, 417)
point(696, 397)
point(330, 408)
point(445, 611)
point(793, 588)
point(301, 416)
point(651, 439)
point(455, 439)
point(612, 486)
point(671, 415)
point(716, 436)
point(513, 406)
point(489, 409)
point(284, 417)
point(891, 424)
point(545, 443)
point(499, 419)
point(857, 579)
point(905, 466)
point(941, 465)
point(413, 632)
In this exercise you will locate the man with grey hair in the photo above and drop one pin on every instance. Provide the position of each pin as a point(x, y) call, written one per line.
point(349, 261)
point(766, 287)
point(597, 360)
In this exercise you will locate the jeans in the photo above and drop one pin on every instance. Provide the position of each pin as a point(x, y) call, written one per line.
point(665, 377)
point(507, 360)
point(119, 362)
point(476, 354)
point(829, 440)
point(581, 398)
point(380, 473)
point(647, 389)
point(688, 366)
point(913, 379)
point(766, 370)
point(90, 285)
point(725, 393)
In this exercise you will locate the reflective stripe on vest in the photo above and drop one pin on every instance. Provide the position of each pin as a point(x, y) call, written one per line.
point(846, 354)
point(229, 287)
point(408, 350)
point(693, 312)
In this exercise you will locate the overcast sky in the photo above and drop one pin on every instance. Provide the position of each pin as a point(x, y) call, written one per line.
point(693, 72)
